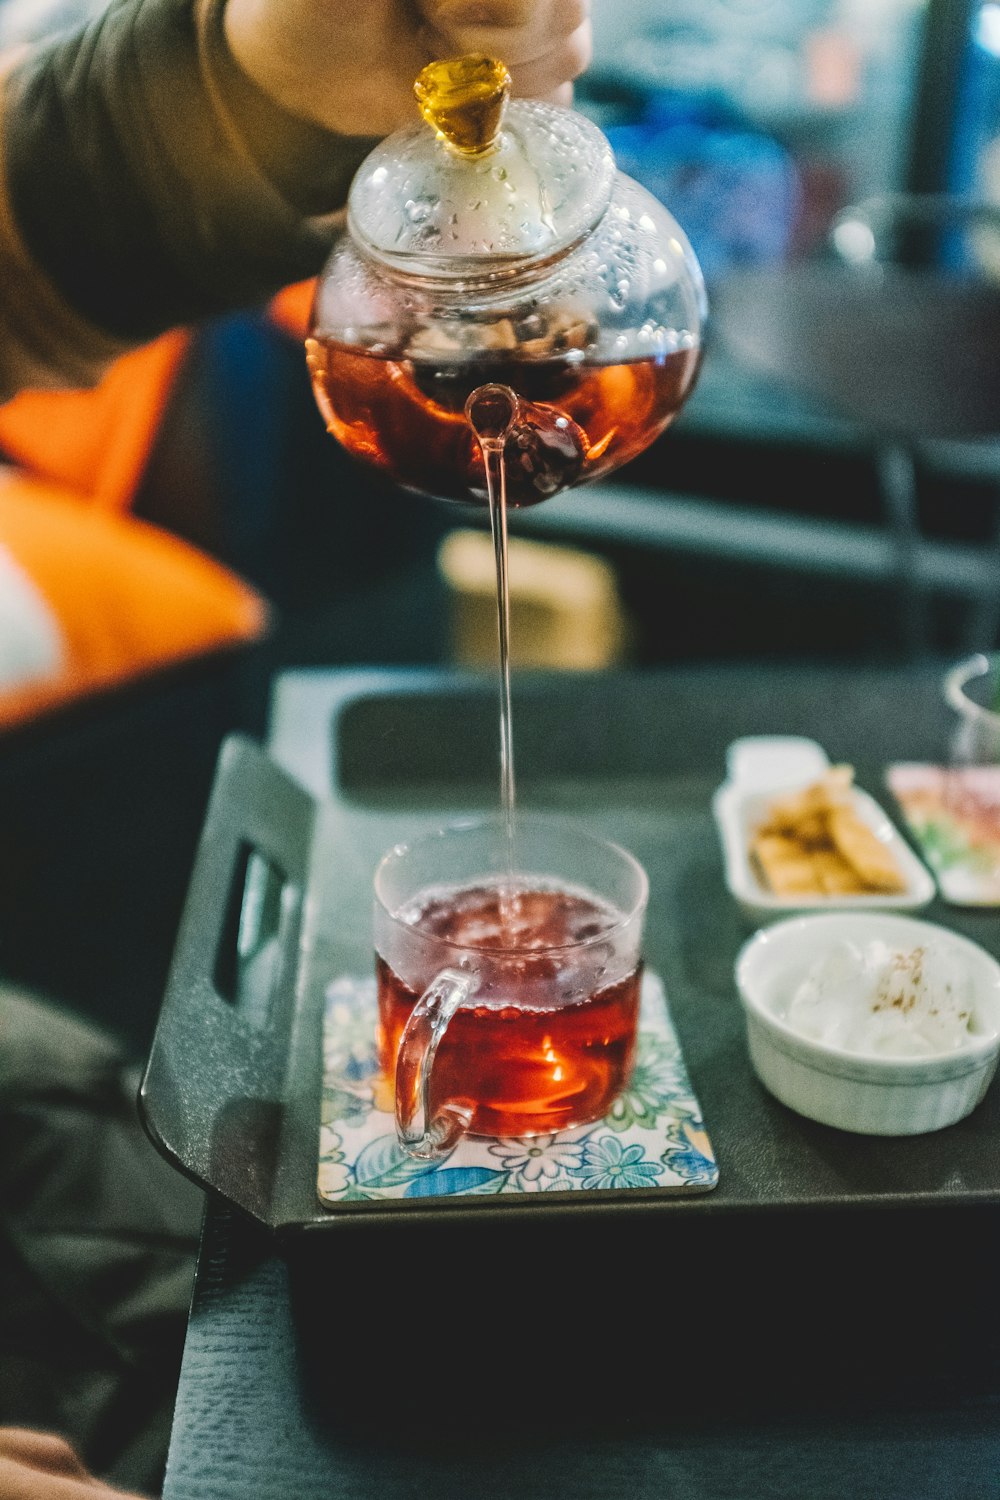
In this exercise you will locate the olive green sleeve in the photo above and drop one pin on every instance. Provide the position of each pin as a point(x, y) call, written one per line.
point(146, 183)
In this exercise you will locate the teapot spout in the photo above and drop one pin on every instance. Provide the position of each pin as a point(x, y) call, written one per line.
point(543, 449)
point(492, 411)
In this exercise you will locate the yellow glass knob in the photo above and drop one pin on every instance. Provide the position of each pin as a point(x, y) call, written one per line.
point(464, 98)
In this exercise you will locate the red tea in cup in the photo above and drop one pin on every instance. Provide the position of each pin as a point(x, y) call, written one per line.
point(526, 1068)
point(508, 1004)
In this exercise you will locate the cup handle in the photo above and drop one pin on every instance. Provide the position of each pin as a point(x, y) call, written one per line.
point(419, 1135)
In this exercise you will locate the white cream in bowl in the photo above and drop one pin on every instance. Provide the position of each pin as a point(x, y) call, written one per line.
point(886, 1000)
point(876, 1023)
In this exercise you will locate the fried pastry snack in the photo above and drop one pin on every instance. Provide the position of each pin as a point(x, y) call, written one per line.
point(812, 842)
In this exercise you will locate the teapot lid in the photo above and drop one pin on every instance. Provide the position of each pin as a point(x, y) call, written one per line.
point(490, 187)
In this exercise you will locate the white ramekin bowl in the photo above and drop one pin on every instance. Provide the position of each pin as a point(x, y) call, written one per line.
point(864, 1093)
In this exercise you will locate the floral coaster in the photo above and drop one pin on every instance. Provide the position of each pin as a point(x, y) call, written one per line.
point(953, 814)
point(653, 1136)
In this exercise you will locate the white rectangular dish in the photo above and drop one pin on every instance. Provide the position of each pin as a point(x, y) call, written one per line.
point(760, 767)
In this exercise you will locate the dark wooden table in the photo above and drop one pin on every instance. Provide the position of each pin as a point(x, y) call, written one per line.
point(822, 1326)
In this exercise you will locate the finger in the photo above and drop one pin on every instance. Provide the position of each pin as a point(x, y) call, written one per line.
point(24, 1482)
point(560, 66)
point(563, 96)
point(515, 46)
point(504, 15)
point(41, 1450)
point(476, 21)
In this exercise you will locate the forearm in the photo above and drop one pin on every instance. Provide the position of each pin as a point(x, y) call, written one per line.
point(148, 183)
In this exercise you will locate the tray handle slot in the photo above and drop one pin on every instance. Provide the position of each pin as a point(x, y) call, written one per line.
point(212, 1096)
point(256, 933)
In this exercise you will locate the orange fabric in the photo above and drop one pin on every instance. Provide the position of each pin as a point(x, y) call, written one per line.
point(96, 441)
point(290, 309)
point(128, 598)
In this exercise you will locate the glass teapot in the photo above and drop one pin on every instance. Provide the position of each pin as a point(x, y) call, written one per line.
point(494, 244)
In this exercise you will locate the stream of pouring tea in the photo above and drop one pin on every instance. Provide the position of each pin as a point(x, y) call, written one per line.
point(491, 410)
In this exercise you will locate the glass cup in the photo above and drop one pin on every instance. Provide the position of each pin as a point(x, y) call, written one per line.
point(972, 778)
point(508, 972)
point(972, 689)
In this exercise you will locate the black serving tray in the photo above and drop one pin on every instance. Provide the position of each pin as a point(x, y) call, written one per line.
point(232, 1085)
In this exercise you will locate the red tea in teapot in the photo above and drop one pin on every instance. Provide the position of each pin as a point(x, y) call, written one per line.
point(578, 420)
point(528, 1057)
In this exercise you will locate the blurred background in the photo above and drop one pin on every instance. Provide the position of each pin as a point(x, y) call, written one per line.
point(830, 493)
point(789, 511)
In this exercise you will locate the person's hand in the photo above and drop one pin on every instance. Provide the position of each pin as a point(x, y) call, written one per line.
point(349, 65)
point(43, 1466)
